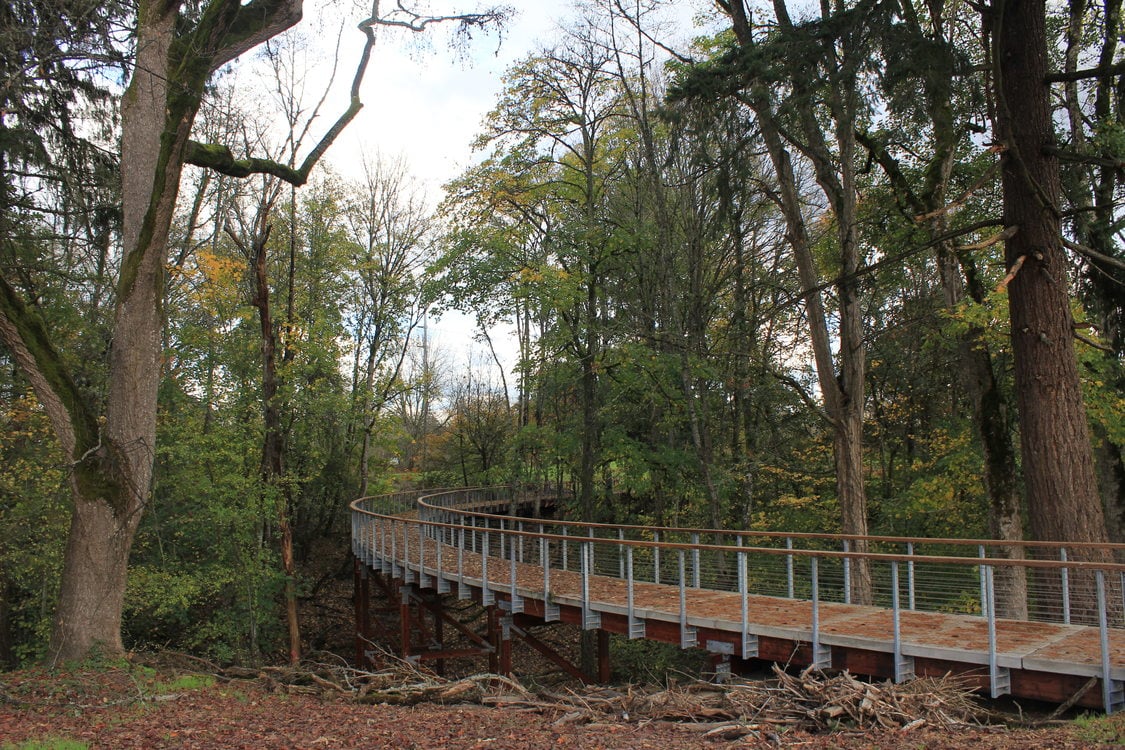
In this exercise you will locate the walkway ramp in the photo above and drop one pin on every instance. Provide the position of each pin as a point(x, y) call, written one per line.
point(789, 598)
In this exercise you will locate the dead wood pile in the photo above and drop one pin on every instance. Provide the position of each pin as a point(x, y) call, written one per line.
point(812, 701)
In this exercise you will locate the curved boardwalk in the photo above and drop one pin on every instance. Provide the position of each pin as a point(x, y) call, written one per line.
point(936, 604)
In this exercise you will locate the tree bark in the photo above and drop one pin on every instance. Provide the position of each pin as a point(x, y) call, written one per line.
point(1058, 463)
point(110, 495)
point(273, 446)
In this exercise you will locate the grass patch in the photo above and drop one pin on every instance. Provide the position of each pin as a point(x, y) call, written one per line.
point(183, 683)
point(49, 744)
point(1100, 728)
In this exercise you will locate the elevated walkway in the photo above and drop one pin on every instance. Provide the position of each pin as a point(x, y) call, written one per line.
point(1046, 625)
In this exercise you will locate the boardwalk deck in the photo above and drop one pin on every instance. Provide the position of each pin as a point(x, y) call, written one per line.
point(1039, 660)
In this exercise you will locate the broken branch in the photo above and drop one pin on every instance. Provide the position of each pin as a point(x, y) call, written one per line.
point(1003, 236)
point(1012, 273)
point(960, 200)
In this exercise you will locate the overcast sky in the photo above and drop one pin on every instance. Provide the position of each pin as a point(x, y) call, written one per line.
point(425, 102)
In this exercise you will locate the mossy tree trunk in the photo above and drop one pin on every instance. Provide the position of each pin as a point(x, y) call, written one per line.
point(112, 452)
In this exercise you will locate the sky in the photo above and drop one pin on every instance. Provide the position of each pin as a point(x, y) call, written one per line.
point(426, 102)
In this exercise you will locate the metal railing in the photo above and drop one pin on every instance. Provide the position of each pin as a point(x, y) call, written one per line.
point(476, 537)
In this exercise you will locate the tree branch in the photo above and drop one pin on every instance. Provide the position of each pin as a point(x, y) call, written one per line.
point(403, 17)
point(219, 157)
point(961, 199)
point(1007, 234)
point(1015, 269)
point(251, 25)
point(1077, 75)
point(26, 338)
point(803, 394)
point(1094, 255)
point(1073, 156)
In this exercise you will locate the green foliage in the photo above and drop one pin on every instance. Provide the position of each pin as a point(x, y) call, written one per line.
point(184, 683)
point(33, 523)
point(654, 663)
point(47, 744)
point(1100, 729)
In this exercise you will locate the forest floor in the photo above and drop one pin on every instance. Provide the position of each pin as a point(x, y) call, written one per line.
point(168, 700)
point(134, 704)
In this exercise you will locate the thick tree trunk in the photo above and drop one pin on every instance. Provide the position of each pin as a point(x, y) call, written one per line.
point(112, 453)
point(92, 596)
point(112, 484)
point(1058, 463)
point(977, 377)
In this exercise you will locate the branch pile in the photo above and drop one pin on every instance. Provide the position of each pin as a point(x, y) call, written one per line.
point(812, 701)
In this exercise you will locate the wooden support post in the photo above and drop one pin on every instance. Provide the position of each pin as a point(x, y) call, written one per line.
point(404, 621)
point(494, 638)
point(603, 656)
point(438, 613)
point(505, 623)
point(362, 595)
point(551, 654)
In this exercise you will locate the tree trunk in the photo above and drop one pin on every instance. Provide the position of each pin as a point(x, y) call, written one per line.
point(112, 486)
point(273, 446)
point(113, 453)
point(1058, 464)
point(92, 595)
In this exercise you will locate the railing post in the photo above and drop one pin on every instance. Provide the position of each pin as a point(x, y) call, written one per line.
point(463, 591)
point(421, 554)
point(487, 598)
point(904, 665)
point(847, 573)
point(565, 544)
point(550, 609)
point(1000, 677)
point(621, 554)
point(394, 552)
point(656, 558)
point(636, 626)
point(442, 578)
point(516, 600)
point(1064, 574)
point(1113, 691)
point(590, 618)
point(749, 641)
point(688, 637)
point(821, 654)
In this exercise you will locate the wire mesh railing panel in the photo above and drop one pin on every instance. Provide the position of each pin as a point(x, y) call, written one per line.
point(1040, 582)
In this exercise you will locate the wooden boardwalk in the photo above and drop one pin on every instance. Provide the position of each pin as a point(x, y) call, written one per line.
point(1026, 659)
